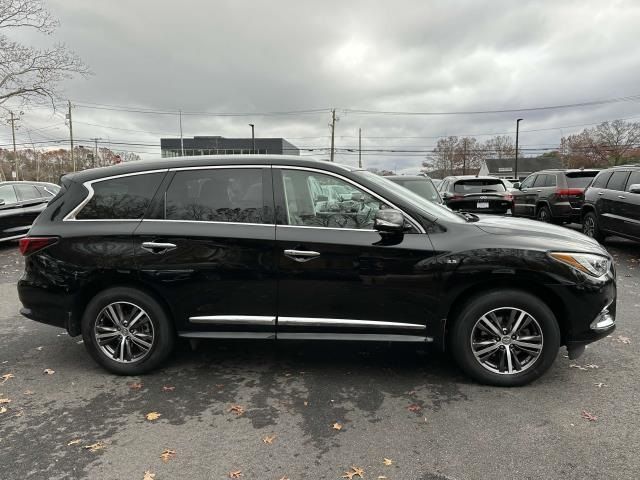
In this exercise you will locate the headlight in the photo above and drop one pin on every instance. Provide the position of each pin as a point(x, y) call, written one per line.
point(594, 265)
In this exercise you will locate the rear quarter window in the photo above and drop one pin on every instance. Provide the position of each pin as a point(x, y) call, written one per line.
point(121, 198)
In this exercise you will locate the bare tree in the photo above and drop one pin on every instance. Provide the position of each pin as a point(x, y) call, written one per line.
point(610, 143)
point(500, 146)
point(29, 74)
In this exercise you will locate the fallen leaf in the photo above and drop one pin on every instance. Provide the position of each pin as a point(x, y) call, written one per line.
point(3, 409)
point(382, 477)
point(149, 475)
point(168, 388)
point(94, 447)
point(306, 403)
point(353, 471)
point(387, 461)
point(6, 377)
point(28, 392)
point(167, 455)
point(622, 339)
point(337, 426)
point(414, 407)
point(284, 477)
point(151, 416)
point(5, 400)
point(600, 384)
point(235, 474)
point(48, 371)
point(135, 385)
point(39, 348)
point(588, 416)
point(236, 409)
point(268, 439)
point(19, 414)
point(73, 442)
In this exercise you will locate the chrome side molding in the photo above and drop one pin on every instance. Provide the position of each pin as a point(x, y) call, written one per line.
point(233, 320)
point(342, 322)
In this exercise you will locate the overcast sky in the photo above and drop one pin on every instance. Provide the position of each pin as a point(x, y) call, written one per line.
point(254, 56)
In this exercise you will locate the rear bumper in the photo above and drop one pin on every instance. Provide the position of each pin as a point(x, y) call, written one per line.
point(565, 211)
point(46, 306)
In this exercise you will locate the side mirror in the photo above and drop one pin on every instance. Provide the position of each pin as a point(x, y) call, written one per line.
point(1, 202)
point(516, 185)
point(389, 221)
point(635, 188)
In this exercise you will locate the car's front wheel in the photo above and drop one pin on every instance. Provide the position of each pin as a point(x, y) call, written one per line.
point(127, 331)
point(505, 338)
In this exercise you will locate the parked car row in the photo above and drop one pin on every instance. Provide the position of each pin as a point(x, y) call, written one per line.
point(20, 204)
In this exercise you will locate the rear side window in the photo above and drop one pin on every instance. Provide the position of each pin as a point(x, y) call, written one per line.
point(217, 195)
point(27, 192)
point(618, 181)
point(8, 195)
point(634, 179)
point(477, 185)
point(580, 179)
point(601, 180)
point(122, 198)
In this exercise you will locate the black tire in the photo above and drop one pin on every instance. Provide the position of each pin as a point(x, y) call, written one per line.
point(591, 228)
point(460, 337)
point(543, 214)
point(156, 319)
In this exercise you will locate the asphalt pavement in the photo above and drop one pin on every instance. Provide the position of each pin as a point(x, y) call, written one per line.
point(314, 411)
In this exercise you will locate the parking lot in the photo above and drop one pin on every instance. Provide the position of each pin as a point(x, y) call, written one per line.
point(314, 411)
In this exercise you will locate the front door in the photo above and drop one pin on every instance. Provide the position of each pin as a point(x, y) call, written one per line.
point(524, 200)
point(208, 248)
point(612, 218)
point(339, 278)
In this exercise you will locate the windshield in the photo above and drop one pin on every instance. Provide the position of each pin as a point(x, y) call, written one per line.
point(478, 185)
point(422, 187)
point(435, 209)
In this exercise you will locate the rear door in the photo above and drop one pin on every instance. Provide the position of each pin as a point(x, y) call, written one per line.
point(338, 278)
point(612, 217)
point(524, 199)
point(208, 248)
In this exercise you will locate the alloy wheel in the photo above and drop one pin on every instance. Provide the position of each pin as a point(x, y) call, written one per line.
point(124, 332)
point(589, 226)
point(506, 340)
point(543, 216)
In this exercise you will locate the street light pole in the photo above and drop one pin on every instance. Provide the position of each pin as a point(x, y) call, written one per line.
point(253, 138)
point(515, 173)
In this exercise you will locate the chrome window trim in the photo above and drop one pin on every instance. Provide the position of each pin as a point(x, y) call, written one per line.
point(356, 184)
point(71, 216)
point(329, 228)
point(343, 322)
point(215, 167)
point(272, 225)
point(234, 320)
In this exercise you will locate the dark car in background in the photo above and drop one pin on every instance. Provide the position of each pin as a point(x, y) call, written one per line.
point(479, 194)
point(248, 247)
point(419, 184)
point(20, 204)
point(612, 204)
point(553, 196)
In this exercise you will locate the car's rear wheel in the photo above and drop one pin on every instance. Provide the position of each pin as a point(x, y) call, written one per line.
point(591, 228)
point(127, 331)
point(505, 338)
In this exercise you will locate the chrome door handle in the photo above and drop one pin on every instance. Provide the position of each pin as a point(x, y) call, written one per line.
point(600, 193)
point(158, 247)
point(301, 255)
point(622, 197)
point(538, 190)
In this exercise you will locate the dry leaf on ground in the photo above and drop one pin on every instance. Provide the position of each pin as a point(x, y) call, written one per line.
point(151, 416)
point(588, 416)
point(235, 474)
point(48, 371)
point(148, 475)
point(353, 471)
point(269, 439)
point(6, 377)
point(284, 477)
point(135, 385)
point(236, 409)
point(28, 392)
point(600, 384)
point(94, 447)
point(167, 455)
point(3, 409)
point(414, 407)
point(337, 426)
point(387, 461)
point(623, 339)
point(168, 388)
point(5, 400)
point(73, 442)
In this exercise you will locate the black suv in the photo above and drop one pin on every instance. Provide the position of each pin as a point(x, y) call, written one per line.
point(554, 196)
point(20, 204)
point(251, 247)
point(612, 204)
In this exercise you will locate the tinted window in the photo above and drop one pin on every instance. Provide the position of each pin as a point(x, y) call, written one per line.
point(540, 181)
point(217, 195)
point(477, 185)
point(27, 192)
point(528, 182)
point(8, 194)
point(424, 188)
point(634, 179)
point(580, 179)
point(308, 202)
point(121, 198)
point(618, 181)
point(602, 179)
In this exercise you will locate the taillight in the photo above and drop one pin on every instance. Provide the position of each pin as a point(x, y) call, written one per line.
point(29, 245)
point(569, 192)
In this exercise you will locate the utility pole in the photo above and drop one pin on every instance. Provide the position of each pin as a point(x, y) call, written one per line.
point(181, 139)
point(15, 154)
point(73, 158)
point(464, 156)
point(333, 130)
point(95, 151)
point(253, 138)
point(360, 147)
point(515, 172)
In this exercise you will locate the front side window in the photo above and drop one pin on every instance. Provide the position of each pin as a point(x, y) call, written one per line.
point(217, 195)
point(27, 192)
point(7, 195)
point(311, 202)
point(528, 182)
point(122, 198)
point(601, 180)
